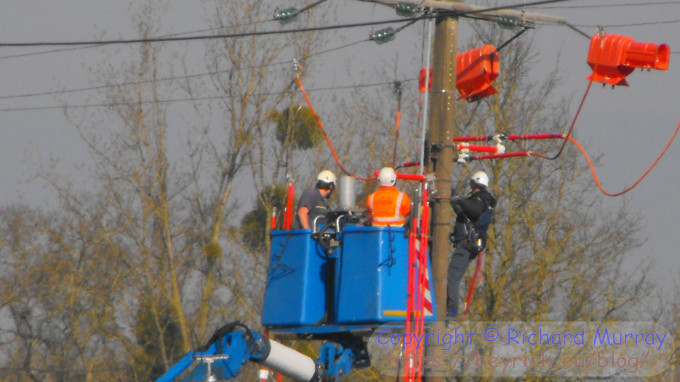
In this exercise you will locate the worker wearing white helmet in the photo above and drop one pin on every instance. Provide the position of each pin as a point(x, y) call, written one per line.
point(314, 201)
point(388, 206)
point(473, 216)
point(480, 179)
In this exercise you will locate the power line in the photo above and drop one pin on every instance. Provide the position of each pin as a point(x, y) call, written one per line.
point(273, 32)
point(503, 7)
point(94, 45)
point(618, 5)
point(636, 24)
point(191, 99)
point(99, 45)
point(621, 25)
point(409, 21)
point(164, 79)
point(170, 37)
point(47, 52)
point(98, 87)
point(208, 37)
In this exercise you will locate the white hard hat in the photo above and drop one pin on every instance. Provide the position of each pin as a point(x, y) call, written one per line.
point(387, 177)
point(326, 177)
point(480, 178)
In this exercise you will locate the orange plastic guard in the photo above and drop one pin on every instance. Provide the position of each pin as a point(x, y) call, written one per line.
point(479, 148)
point(475, 70)
point(405, 176)
point(612, 57)
point(425, 74)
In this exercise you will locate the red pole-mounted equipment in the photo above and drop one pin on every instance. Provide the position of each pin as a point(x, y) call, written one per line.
point(511, 137)
point(288, 213)
point(504, 155)
point(400, 175)
point(409, 164)
point(478, 148)
point(421, 80)
point(612, 57)
point(475, 70)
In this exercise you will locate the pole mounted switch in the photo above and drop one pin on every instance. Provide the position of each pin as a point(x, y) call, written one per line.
point(613, 57)
point(476, 69)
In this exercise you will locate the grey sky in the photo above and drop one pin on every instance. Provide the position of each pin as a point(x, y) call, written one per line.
point(628, 125)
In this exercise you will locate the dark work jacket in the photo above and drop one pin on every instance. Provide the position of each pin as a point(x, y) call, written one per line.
point(471, 208)
point(315, 203)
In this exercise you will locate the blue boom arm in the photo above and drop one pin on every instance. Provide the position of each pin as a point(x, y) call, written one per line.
point(223, 357)
point(230, 348)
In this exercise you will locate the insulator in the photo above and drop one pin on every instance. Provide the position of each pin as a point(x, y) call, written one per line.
point(509, 22)
point(406, 9)
point(383, 35)
point(286, 16)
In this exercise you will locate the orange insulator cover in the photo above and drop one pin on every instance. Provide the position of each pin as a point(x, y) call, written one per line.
point(475, 70)
point(421, 80)
point(613, 57)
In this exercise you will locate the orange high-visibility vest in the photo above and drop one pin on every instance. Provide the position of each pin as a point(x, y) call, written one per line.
point(388, 206)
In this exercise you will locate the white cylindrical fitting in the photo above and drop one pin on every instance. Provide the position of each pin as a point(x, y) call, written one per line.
point(347, 195)
point(289, 362)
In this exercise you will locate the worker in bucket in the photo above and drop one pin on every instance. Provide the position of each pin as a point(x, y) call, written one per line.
point(473, 216)
point(388, 206)
point(314, 201)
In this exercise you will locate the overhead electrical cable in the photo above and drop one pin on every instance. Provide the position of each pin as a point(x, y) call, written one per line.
point(48, 51)
point(271, 32)
point(164, 36)
point(573, 122)
point(578, 112)
point(334, 49)
point(99, 87)
point(192, 99)
point(310, 6)
point(98, 45)
point(515, 154)
point(496, 155)
point(575, 29)
point(206, 37)
point(617, 5)
point(649, 169)
point(328, 140)
point(502, 7)
point(175, 78)
point(626, 24)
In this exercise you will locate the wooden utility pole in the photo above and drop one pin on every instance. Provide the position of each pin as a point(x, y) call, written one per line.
point(442, 114)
